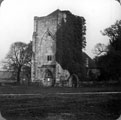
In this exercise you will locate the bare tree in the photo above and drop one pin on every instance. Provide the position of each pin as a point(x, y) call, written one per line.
point(100, 49)
point(18, 57)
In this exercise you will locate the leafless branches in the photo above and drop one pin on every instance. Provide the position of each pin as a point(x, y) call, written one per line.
point(100, 49)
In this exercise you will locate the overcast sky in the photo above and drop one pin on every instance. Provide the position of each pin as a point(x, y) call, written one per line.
point(16, 19)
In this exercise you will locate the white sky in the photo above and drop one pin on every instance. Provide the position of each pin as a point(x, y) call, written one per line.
point(16, 19)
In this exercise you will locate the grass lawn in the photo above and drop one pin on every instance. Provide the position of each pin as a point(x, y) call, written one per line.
point(52, 90)
point(65, 107)
point(28, 92)
point(46, 103)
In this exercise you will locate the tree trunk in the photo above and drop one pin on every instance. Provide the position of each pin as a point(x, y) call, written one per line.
point(18, 75)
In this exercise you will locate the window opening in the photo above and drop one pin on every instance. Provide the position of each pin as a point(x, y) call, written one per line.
point(49, 57)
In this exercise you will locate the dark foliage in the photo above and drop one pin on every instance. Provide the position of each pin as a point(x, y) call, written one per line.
point(70, 42)
point(110, 63)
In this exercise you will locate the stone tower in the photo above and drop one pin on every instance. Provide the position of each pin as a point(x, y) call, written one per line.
point(45, 69)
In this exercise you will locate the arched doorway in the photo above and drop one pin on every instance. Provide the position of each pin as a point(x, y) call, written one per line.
point(75, 80)
point(48, 78)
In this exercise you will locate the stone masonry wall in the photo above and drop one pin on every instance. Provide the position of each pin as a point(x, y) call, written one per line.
point(44, 42)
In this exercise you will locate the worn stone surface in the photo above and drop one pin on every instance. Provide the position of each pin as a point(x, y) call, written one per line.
point(44, 64)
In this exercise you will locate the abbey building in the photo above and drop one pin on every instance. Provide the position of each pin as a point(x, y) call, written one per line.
point(45, 68)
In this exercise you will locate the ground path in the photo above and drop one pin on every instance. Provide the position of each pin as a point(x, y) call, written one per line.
point(78, 93)
point(39, 91)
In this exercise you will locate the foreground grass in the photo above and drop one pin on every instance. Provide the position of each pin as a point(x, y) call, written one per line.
point(45, 102)
point(52, 90)
point(73, 107)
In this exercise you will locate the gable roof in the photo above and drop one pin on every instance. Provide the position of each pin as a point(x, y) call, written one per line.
point(91, 62)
